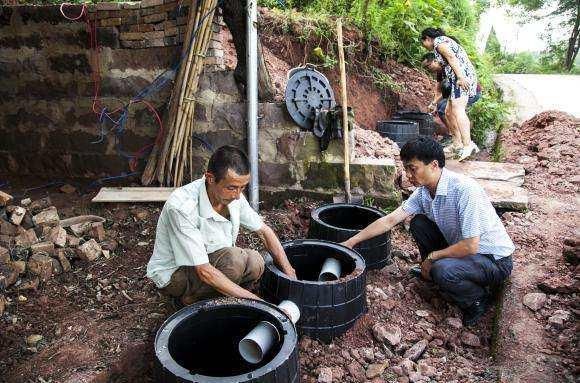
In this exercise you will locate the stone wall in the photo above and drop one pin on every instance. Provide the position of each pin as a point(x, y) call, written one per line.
point(47, 124)
point(49, 129)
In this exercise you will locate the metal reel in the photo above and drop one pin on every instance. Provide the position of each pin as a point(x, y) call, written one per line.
point(306, 91)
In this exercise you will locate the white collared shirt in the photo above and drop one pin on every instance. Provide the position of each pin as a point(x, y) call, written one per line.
point(189, 229)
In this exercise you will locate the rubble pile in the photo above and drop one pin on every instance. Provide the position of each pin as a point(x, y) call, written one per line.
point(547, 144)
point(35, 245)
point(369, 143)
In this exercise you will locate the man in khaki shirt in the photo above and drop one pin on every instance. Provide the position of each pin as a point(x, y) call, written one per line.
point(195, 255)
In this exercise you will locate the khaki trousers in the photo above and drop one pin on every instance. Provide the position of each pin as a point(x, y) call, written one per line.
point(241, 266)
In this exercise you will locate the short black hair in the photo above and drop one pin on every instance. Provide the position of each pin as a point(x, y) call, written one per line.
point(424, 149)
point(228, 157)
point(430, 56)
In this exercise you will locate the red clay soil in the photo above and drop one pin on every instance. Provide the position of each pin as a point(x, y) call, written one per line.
point(533, 346)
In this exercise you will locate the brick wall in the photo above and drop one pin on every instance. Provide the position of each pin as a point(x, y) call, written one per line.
point(47, 126)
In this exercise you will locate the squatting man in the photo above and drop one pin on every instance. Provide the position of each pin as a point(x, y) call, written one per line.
point(195, 257)
point(464, 247)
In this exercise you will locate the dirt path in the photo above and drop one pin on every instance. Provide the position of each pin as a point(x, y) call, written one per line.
point(533, 94)
point(531, 347)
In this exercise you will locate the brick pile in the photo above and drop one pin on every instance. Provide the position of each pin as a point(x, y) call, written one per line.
point(34, 245)
point(153, 23)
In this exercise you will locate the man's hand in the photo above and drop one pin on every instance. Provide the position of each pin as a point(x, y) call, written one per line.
point(432, 107)
point(462, 83)
point(289, 271)
point(347, 243)
point(426, 269)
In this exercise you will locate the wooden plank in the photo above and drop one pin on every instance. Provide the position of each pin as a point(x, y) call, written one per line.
point(506, 196)
point(133, 194)
point(491, 171)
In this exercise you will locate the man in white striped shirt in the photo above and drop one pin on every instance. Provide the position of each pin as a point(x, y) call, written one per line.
point(464, 246)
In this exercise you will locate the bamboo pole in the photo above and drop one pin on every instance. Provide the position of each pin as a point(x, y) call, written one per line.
point(175, 153)
point(344, 111)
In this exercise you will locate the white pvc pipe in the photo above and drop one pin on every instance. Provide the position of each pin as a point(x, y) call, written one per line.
point(256, 344)
point(291, 309)
point(330, 271)
point(252, 96)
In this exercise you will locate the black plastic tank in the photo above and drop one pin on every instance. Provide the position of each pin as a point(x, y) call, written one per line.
point(338, 222)
point(199, 344)
point(327, 309)
point(399, 131)
point(424, 120)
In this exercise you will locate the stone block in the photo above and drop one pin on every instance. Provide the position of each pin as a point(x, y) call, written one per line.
point(4, 255)
point(108, 6)
point(8, 275)
point(129, 20)
point(7, 228)
point(39, 205)
point(153, 35)
point(62, 258)
point(41, 266)
point(155, 18)
point(112, 22)
point(134, 44)
point(273, 174)
point(141, 28)
point(131, 36)
point(89, 251)
point(97, 231)
point(80, 228)
point(29, 284)
point(47, 217)
point(150, 3)
point(58, 236)
point(17, 215)
point(26, 239)
point(171, 31)
point(5, 198)
point(156, 42)
point(131, 5)
point(72, 241)
point(42, 247)
point(19, 266)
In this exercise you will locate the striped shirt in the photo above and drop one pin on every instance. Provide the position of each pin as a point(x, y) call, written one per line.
point(461, 209)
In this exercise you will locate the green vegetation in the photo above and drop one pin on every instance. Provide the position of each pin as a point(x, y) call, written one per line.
point(562, 53)
point(549, 61)
point(396, 26)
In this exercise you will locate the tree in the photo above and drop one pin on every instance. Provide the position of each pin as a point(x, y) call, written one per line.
point(570, 10)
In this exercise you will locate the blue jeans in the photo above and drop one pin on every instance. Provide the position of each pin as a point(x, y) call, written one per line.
point(466, 279)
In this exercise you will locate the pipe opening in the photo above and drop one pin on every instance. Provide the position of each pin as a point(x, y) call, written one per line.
point(207, 343)
point(349, 217)
point(307, 260)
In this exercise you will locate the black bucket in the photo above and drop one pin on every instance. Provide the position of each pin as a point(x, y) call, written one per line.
point(338, 222)
point(424, 120)
point(327, 309)
point(199, 343)
point(399, 131)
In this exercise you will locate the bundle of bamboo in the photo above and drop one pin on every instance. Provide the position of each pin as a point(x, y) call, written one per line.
point(173, 153)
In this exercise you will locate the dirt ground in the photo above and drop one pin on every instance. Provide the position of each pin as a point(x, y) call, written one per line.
point(110, 338)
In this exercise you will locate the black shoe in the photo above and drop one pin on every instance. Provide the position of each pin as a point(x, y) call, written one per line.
point(415, 271)
point(474, 312)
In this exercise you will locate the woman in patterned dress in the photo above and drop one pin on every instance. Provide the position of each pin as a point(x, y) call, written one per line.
point(461, 74)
